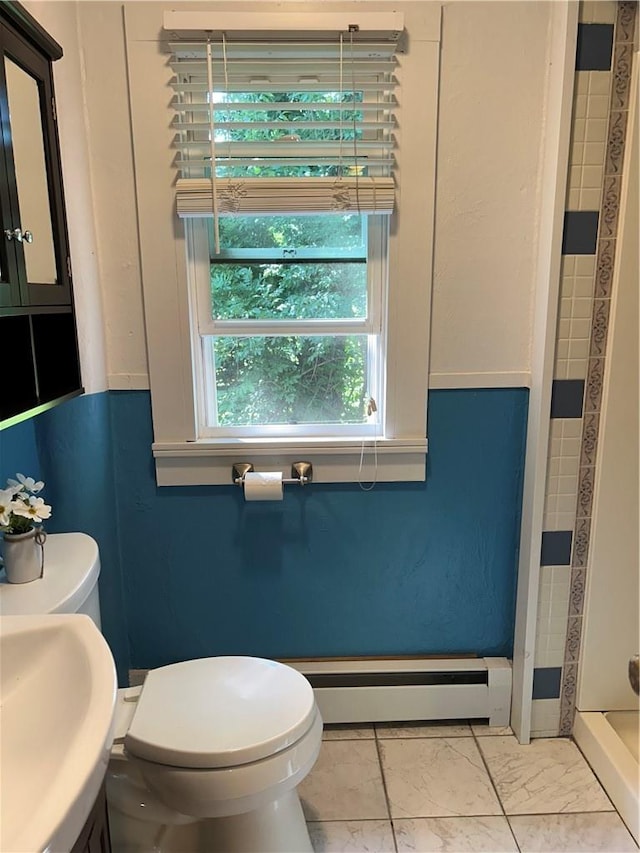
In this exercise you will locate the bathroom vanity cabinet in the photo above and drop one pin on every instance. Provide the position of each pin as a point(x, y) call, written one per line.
point(94, 837)
point(37, 322)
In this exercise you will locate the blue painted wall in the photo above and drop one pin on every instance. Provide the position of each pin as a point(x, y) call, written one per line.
point(18, 452)
point(75, 447)
point(332, 570)
point(70, 448)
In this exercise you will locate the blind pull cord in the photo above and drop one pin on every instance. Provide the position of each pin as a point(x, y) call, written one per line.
point(371, 412)
point(212, 144)
point(355, 139)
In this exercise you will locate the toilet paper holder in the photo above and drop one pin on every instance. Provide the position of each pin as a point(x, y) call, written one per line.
point(301, 473)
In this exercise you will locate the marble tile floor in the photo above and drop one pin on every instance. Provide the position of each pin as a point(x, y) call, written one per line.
point(455, 787)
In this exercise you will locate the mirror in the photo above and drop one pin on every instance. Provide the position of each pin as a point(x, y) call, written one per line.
point(31, 174)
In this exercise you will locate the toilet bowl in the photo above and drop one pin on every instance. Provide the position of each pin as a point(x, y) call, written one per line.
point(221, 743)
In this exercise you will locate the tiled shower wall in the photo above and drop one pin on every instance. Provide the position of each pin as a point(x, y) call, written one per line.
point(600, 111)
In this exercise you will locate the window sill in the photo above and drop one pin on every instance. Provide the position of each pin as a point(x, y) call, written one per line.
point(209, 462)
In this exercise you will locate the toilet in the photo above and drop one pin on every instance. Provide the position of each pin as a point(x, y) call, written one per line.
point(208, 753)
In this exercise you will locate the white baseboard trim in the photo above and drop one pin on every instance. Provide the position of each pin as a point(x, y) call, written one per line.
point(374, 691)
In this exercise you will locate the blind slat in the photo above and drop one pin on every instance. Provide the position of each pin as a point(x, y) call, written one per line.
point(304, 85)
point(320, 49)
point(268, 148)
point(188, 167)
point(290, 106)
point(346, 125)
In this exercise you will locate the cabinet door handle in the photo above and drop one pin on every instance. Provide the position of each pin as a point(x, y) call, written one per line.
point(18, 235)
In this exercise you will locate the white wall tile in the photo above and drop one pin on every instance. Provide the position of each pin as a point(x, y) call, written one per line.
point(591, 177)
point(579, 348)
point(585, 265)
point(597, 12)
point(594, 130)
point(590, 198)
point(571, 427)
point(545, 716)
point(583, 285)
point(593, 153)
point(580, 328)
point(568, 466)
point(576, 369)
point(599, 82)
point(597, 106)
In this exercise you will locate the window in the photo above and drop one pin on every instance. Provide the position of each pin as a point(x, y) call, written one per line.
point(301, 324)
point(290, 323)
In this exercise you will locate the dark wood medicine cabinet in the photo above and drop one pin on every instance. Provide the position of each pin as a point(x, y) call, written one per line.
point(37, 322)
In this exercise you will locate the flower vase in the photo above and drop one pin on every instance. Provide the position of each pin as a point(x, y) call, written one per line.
point(24, 555)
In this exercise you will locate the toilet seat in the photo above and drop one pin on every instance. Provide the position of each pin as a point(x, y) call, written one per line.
point(219, 712)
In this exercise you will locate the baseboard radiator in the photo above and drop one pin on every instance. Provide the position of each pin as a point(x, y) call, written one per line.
point(370, 691)
point(402, 689)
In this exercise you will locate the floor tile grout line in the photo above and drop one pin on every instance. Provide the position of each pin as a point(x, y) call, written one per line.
point(458, 816)
point(548, 814)
point(354, 820)
point(493, 785)
point(488, 771)
point(386, 793)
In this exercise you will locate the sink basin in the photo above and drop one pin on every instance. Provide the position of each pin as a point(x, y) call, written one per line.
point(57, 700)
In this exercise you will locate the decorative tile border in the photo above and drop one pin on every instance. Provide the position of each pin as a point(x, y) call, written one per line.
point(626, 20)
point(585, 492)
point(622, 58)
point(590, 430)
point(608, 227)
point(595, 379)
point(576, 591)
point(610, 206)
point(574, 633)
point(568, 698)
point(604, 268)
point(599, 327)
point(581, 545)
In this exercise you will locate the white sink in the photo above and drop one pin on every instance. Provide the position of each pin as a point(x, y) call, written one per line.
point(57, 700)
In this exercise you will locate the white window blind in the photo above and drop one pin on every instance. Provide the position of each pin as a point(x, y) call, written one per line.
point(300, 123)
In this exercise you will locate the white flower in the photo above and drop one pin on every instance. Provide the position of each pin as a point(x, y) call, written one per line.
point(6, 506)
point(14, 486)
point(28, 483)
point(34, 508)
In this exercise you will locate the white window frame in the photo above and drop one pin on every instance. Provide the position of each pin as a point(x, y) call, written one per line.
point(182, 457)
point(373, 325)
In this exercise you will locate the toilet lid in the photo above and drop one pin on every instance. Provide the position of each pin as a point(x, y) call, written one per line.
point(219, 712)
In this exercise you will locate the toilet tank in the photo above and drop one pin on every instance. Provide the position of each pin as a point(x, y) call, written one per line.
point(69, 583)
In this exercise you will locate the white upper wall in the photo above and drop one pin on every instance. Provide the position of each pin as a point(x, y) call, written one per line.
point(492, 85)
point(494, 65)
point(61, 21)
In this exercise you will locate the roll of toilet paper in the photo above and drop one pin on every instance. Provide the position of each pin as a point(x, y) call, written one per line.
point(263, 486)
